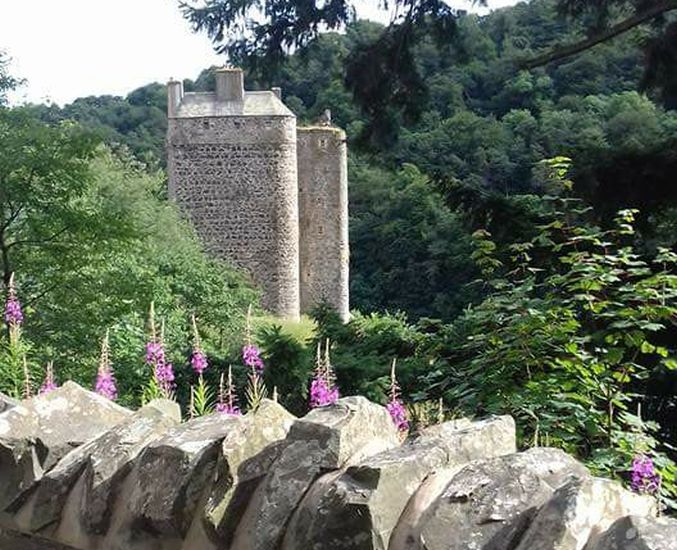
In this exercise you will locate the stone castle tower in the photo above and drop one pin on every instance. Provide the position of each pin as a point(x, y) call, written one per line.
point(264, 194)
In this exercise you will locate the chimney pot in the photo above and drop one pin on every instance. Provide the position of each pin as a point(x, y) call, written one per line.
point(174, 96)
point(277, 91)
point(229, 84)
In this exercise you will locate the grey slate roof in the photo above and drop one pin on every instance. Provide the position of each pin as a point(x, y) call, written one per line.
point(204, 104)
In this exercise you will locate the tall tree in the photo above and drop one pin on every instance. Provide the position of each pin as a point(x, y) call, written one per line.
point(382, 72)
point(7, 81)
point(43, 170)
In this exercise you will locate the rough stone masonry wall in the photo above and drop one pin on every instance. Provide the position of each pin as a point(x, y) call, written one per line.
point(236, 179)
point(323, 218)
point(79, 472)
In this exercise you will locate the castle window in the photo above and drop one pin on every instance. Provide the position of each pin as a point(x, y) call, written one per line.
point(322, 143)
point(206, 124)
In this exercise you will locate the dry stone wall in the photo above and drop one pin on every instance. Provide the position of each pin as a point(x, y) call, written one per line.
point(323, 218)
point(236, 179)
point(338, 478)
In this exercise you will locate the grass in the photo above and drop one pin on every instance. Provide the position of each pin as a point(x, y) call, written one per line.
point(302, 330)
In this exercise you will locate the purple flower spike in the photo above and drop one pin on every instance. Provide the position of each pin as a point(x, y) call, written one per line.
point(395, 407)
point(13, 315)
point(155, 353)
point(105, 380)
point(227, 403)
point(225, 408)
point(105, 385)
point(321, 394)
point(251, 356)
point(47, 387)
point(323, 391)
point(49, 383)
point(199, 362)
point(164, 374)
point(645, 479)
point(399, 415)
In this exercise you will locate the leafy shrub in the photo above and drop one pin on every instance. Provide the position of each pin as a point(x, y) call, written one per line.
point(575, 327)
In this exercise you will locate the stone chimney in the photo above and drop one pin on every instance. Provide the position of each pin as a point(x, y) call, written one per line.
point(277, 91)
point(174, 96)
point(229, 84)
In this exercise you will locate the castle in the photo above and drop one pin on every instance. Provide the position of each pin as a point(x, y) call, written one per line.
point(264, 194)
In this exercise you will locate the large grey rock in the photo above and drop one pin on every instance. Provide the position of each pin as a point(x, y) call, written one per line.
point(173, 472)
point(6, 402)
point(37, 432)
point(13, 540)
point(360, 508)
point(638, 533)
point(488, 503)
point(580, 508)
point(21, 463)
point(101, 465)
point(247, 455)
point(326, 439)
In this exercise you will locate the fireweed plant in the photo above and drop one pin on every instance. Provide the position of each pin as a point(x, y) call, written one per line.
point(105, 384)
point(49, 383)
point(161, 380)
point(645, 479)
point(227, 400)
point(28, 382)
point(14, 372)
point(251, 357)
point(200, 395)
point(323, 390)
point(395, 406)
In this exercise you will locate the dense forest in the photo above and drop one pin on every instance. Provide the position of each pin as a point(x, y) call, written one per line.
point(512, 240)
point(481, 133)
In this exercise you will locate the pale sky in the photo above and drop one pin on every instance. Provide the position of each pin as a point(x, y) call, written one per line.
point(73, 48)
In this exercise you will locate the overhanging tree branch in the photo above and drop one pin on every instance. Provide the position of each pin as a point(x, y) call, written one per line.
point(658, 8)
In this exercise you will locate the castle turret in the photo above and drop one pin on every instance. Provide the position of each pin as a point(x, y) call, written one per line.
point(259, 199)
point(232, 170)
point(323, 217)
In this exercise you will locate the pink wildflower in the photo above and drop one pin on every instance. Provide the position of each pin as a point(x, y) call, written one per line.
point(227, 403)
point(163, 371)
point(155, 353)
point(49, 384)
point(251, 357)
point(105, 385)
point(323, 392)
point(645, 479)
point(198, 360)
point(225, 408)
point(395, 407)
point(13, 314)
point(105, 379)
point(399, 415)
point(164, 375)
